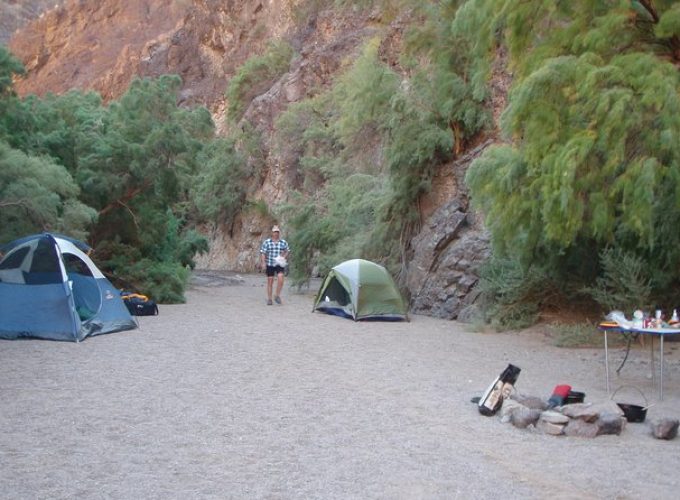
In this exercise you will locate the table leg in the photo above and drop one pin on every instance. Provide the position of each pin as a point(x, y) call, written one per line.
point(651, 356)
point(606, 360)
point(661, 368)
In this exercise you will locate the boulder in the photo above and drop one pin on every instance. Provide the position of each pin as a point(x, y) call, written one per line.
point(610, 423)
point(509, 407)
point(554, 417)
point(580, 428)
point(590, 412)
point(664, 428)
point(533, 402)
point(548, 428)
point(524, 417)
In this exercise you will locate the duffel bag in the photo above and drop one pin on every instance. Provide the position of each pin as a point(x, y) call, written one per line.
point(139, 305)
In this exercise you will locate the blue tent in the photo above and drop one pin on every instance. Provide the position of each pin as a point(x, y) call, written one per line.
point(50, 289)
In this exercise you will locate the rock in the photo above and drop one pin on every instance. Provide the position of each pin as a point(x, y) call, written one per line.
point(447, 255)
point(554, 417)
point(12, 18)
point(524, 417)
point(580, 428)
point(548, 428)
point(508, 408)
point(470, 314)
point(533, 402)
point(610, 423)
point(664, 428)
point(590, 412)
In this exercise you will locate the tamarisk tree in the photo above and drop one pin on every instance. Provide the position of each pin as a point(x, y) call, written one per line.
point(592, 157)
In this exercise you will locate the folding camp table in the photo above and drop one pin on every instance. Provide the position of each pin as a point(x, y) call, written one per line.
point(652, 333)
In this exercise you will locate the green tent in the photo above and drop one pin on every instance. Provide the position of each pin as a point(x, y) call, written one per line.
point(360, 289)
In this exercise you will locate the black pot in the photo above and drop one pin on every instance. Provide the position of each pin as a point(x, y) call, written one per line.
point(574, 397)
point(633, 413)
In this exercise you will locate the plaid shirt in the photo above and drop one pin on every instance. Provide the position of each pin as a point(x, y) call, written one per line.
point(272, 249)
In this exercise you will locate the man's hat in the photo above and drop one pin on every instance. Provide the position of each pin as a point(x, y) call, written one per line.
point(276, 229)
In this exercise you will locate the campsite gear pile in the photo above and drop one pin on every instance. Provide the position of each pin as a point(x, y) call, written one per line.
point(51, 289)
point(361, 290)
point(564, 412)
point(138, 304)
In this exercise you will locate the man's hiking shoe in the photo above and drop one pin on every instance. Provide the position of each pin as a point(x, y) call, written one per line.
point(277, 299)
point(269, 302)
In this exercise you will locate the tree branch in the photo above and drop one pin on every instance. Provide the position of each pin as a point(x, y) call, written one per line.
point(673, 41)
point(649, 7)
point(129, 195)
point(21, 203)
point(132, 214)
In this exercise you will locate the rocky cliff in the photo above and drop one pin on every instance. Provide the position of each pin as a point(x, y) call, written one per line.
point(102, 45)
point(15, 14)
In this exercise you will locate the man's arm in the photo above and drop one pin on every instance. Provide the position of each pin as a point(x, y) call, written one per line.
point(263, 255)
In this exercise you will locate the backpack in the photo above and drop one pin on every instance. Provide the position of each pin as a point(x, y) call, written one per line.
point(138, 304)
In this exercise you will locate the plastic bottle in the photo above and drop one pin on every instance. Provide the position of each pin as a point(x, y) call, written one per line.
point(674, 318)
point(492, 399)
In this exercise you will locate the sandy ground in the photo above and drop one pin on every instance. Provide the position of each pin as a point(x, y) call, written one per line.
point(224, 397)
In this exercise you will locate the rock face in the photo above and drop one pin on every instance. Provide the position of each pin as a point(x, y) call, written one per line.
point(447, 252)
point(103, 45)
point(92, 45)
point(15, 14)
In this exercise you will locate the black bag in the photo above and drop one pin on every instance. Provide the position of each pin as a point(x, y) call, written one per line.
point(139, 305)
point(492, 400)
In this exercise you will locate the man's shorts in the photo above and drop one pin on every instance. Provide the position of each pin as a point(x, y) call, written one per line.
point(274, 270)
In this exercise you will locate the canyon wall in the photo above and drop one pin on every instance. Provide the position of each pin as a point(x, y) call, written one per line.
point(103, 45)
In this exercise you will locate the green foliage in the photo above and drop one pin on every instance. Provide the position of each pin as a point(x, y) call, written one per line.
point(219, 188)
point(335, 215)
point(417, 122)
point(669, 23)
point(250, 145)
point(121, 174)
point(255, 76)
point(9, 67)
point(37, 195)
point(163, 281)
point(260, 207)
point(305, 131)
point(363, 96)
point(190, 244)
point(511, 295)
point(337, 231)
point(590, 162)
point(625, 283)
point(305, 10)
point(433, 114)
point(63, 127)
point(576, 335)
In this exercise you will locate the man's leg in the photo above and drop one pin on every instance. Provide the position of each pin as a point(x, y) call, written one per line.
point(279, 287)
point(270, 284)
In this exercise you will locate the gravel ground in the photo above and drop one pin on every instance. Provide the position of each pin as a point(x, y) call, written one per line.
point(224, 397)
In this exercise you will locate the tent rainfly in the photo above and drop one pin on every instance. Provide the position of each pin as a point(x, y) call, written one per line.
point(50, 289)
point(360, 289)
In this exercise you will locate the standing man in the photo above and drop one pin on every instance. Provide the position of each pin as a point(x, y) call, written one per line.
point(273, 254)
